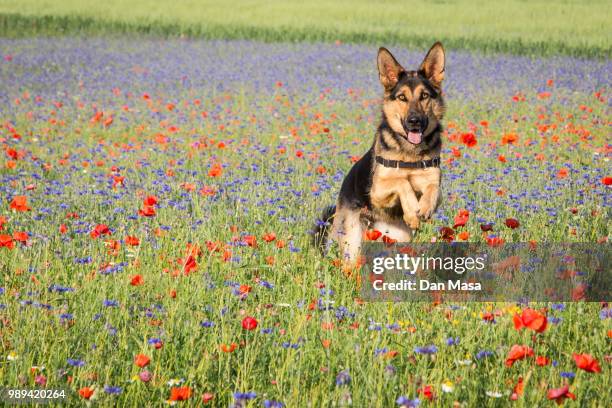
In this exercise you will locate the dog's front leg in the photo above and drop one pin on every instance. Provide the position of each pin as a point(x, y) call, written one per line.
point(410, 205)
point(429, 201)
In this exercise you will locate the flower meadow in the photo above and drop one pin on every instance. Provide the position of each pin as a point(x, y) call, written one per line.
point(156, 198)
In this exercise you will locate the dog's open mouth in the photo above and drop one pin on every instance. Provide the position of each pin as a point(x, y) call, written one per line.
point(414, 136)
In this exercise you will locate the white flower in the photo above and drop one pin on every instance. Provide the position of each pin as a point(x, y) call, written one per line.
point(448, 386)
point(175, 381)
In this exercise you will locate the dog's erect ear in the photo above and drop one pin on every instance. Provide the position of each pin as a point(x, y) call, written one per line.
point(432, 66)
point(389, 69)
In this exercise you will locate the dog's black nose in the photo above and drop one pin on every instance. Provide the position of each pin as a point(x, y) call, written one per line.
point(414, 121)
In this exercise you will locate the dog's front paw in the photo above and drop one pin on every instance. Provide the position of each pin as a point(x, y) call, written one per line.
point(412, 220)
point(426, 209)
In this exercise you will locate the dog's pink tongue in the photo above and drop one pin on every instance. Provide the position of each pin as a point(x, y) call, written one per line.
point(415, 137)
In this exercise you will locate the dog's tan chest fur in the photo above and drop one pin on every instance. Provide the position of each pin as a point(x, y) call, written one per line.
point(386, 183)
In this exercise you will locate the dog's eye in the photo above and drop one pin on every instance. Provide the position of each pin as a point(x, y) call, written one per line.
point(402, 97)
point(424, 95)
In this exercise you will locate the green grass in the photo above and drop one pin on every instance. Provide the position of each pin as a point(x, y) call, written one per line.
point(536, 27)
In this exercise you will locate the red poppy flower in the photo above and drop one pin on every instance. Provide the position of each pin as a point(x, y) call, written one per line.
point(518, 389)
point(562, 173)
point(469, 139)
point(190, 265)
point(512, 223)
point(607, 181)
point(494, 241)
point(544, 95)
point(150, 200)
point(486, 227)
point(228, 349)
point(461, 218)
point(250, 240)
point(6, 241)
point(118, 181)
point(207, 397)
point(20, 237)
point(100, 229)
point(509, 138)
point(269, 237)
point(63, 228)
point(447, 234)
point(207, 191)
point(86, 392)
point(579, 292)
point(19, 203)
point(249, 323)
point(132, 241)
point(518, 353)
point(426, 391)
point(488, 317)
point(463, 235)
point(136, 280)
point(215, 171)
point(587, 363)
point(560, 394)
point(141, 360)
point(388, 240)
point(532, 319)
point(180, 393)
point(542, 361)
point(147, 211)
point(373, 234)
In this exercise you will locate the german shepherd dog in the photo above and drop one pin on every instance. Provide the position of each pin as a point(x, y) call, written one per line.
point(396, 184)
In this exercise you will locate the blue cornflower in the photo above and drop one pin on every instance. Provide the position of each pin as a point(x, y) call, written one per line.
point(266, 284)
point(452, 341)
point(568, 374)
point(110, 303)
point(75, 362)
point(293, 248)
point(483, 354)
point(241, 397)
point(431, 349)
point(207, 324)
point(405, 402)
point(287, 344)
point(343, 378)
point(153, 341)
point(112, 390)
point(390, 370)
point(60, 289)
point(273, 404)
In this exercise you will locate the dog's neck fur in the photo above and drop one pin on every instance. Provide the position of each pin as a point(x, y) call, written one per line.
point(393, 146)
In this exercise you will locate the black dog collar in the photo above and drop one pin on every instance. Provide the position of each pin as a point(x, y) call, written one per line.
point(398, 164)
